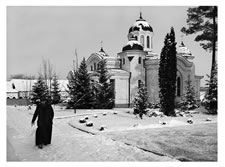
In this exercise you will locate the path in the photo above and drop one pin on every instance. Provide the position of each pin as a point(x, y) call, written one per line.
point(68, 144)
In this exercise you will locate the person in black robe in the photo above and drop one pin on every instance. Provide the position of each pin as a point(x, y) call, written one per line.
point(45, 115)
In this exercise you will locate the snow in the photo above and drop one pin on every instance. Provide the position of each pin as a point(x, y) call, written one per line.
point(68, 144)
point(184, 50)
point(26, 85)
point(139, 23)
point(131, 43)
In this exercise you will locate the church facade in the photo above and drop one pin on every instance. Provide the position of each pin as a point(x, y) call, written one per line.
point(137, 62)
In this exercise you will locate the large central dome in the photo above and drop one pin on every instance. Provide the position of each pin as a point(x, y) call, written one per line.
point(141, 25)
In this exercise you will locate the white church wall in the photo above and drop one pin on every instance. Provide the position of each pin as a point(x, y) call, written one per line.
point(121, 92)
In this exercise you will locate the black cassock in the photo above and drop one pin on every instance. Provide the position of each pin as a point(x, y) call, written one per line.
point(45, 115)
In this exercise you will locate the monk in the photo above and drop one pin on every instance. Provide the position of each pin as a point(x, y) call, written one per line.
point(45, 115)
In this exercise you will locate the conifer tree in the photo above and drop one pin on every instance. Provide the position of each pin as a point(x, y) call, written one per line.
point(210, 100)
point(167, 75)
point(141, 101)
point(83, 87)
point(105, 89)
point(39, 91)
point(55, 90)
point(189, 101)
point(202, 20)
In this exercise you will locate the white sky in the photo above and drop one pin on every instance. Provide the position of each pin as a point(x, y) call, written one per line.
point(53, 33)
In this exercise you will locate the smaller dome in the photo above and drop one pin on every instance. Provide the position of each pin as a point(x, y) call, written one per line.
point(102, 53)
point(141, 25)
point(132, 44)
point(184, 51)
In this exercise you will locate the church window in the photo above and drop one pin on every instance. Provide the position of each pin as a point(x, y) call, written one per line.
point(13, 86)
point(94, 66)
point(148, 45)
point(142, 40)
point(98, 66)
point(136, 38)
point(151, 43)
point(139, 60)
point(91, 68)
point(123, 60)
point(178, 87)
point(139, 83)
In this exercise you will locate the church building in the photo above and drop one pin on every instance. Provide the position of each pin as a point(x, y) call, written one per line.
point(137, 62)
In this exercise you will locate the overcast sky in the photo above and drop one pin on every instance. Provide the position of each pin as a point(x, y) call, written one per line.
point(53, 33)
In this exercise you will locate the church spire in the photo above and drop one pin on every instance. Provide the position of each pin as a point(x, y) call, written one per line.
point(182, 41)
point(102, 47)
point(141, 15)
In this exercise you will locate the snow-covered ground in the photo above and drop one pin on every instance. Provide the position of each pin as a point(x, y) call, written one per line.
point(68, 143)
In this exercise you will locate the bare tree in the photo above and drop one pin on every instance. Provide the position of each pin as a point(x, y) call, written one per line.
point(44, 68)
point(50, 76)
point(47, 72)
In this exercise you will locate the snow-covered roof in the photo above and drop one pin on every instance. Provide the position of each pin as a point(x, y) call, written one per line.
point(141, 25)
point(16, 85)
point(132, 44)
point(184, 51)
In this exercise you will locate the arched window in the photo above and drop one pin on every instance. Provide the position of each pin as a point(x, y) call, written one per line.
point(123, 60)
point(94, 66)
point(178, 87)
point(142, 41)
point(98, 65)
point(139, 60)
point(139, 83)
point(13, 86)
point(91, 68)
point(148, 44)
point(151, 43)
point(136, 37)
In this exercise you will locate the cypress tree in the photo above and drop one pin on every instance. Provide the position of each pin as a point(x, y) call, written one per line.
point(39, 91)
point(55, 90)
point(167, 75)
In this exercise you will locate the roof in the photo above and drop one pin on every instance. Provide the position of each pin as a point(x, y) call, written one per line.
point(141, 25)
point(184, 51)
point(133, 44)
point(26, 85)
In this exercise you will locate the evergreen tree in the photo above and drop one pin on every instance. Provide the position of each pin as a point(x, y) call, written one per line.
point(189, 101)
point(203, 21)
point(105, 89)
point(55, 90)
point(83, 87)
point(167, 75)
point(141, 101)
point(210, 101)
point(39, 91)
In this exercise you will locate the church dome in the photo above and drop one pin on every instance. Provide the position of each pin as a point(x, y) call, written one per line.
point(103, 53)
point(184, 51)
point(132, 44)
point(141, 25)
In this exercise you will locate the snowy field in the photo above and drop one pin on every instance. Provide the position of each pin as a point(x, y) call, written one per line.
point(124, 138)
